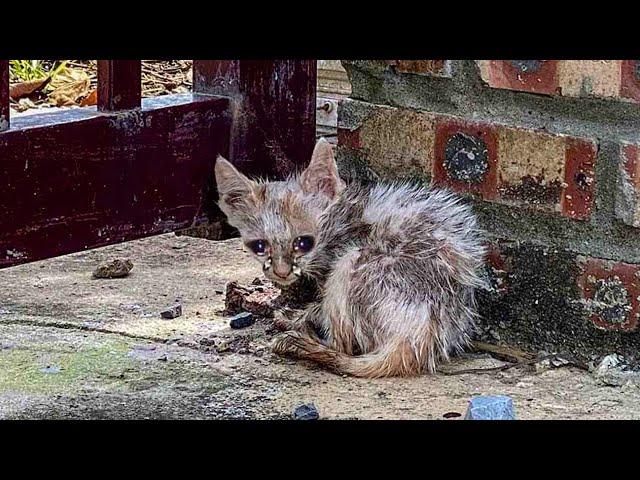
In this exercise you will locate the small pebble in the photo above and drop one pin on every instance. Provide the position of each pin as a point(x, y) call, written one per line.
point(117, 268)
point(174, 311)
point(242, 320)
point(51, 369)
point(306, 412)
point(498, 407)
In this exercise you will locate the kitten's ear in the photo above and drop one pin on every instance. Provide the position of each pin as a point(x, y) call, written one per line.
point(321, 176)
point(234, 189)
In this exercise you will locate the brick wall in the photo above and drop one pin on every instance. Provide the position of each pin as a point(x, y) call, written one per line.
point(549, 153)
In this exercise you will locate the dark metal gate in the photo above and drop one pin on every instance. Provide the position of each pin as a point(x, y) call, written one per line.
point(84, 178)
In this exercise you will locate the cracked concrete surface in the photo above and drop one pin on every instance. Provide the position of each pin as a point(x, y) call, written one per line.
point(76, 347)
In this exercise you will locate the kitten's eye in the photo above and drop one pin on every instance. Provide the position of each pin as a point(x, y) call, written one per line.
point(259, 247)
point(303, 244)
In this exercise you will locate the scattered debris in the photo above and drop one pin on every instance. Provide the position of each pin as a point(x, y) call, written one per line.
point(506, 354)
point(260, 302)
point(117, 268)
point(242, 320)
point(306, 412)
point(497, 407)
point(614, 371)
point(174, 311)
point(547, 362)
point(262, 298)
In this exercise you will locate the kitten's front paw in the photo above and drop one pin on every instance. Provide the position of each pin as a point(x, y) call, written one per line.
point(288, 343)
point(284, 320)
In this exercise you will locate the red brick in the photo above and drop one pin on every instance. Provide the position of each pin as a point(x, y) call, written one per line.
point(608, 79)
point(500, 267)
point(630, 87)
point(577, 199)
point(611, 292)
point(541, 78)
point(628, 192)
point(515, 166)
point(349, 138)
point(478, 172)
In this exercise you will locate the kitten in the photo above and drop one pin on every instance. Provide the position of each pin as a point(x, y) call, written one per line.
point(396, 265)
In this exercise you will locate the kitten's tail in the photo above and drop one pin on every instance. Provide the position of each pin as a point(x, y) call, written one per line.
point(398, 361)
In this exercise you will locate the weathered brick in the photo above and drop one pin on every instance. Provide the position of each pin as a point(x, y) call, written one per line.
point(582, 78)
point(503, 164)
point(465, 157)
point(609, 79)
point(524, 167)
point(611, 292)
point(397, 143)
point(439, 68)
point(628, 189)
point(535, 76)
point(531, 166)
point(577, 197)
point(630, 88)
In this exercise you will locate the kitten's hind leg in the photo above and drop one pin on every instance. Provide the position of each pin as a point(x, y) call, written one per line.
point(396, 361)
point(285, 319)
point(308, 321)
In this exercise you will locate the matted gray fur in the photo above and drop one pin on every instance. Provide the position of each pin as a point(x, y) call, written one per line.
point(396, 264)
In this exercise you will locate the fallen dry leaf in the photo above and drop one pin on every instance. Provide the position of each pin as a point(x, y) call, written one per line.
point(69, 87)
point(24, 89)
point(92, 99)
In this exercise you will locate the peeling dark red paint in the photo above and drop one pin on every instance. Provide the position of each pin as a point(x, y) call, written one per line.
point(119, 84)
point(100, 178)
point(4, 95)
point(79, 179)
point(274, 111)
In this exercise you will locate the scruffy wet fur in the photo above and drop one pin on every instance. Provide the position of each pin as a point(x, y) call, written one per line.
point(396, 265)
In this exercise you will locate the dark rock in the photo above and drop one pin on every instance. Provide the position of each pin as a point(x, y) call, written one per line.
point(242, 320)
point(498, 407)
point(306, 412)
point(117, 268)
point(174, 311)
point(451, 415)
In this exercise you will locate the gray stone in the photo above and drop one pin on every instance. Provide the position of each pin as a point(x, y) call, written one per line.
point(117, 268)
point(497, 407)
point(242, 320)
point(174, 311)
point(614, 371)
point(306, 412)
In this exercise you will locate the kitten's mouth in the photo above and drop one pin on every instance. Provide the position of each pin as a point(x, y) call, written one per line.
point(294, 273)
point(282, 281)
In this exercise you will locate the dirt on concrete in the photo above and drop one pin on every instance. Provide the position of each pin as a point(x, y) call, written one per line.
point(72, 346)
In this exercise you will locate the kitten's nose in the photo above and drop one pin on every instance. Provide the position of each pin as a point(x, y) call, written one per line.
point(281, 269)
